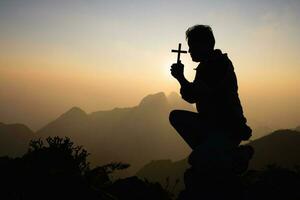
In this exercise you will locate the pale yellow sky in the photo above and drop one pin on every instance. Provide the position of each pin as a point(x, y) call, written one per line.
point(99, 55)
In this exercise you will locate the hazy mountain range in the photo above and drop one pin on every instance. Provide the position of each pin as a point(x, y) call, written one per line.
point(135, 135)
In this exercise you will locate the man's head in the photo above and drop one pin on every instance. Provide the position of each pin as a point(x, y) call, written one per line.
point(201, 42)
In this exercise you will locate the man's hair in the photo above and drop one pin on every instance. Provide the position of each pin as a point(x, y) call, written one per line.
point(201, 33)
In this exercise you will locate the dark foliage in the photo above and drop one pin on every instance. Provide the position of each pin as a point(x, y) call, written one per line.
point(136, 189)
point(273, 182)
point(59, 170)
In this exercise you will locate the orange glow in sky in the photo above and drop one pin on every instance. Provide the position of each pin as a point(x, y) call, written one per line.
point(104, 54)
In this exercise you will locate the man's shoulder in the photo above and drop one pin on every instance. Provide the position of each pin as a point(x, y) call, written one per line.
point(218, 60)
point(215, 69)
point(221, 58)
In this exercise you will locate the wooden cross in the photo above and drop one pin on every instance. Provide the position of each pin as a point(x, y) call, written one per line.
point(178, 52)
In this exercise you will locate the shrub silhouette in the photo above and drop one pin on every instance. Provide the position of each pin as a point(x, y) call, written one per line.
point(58, 169)
point(273, 182)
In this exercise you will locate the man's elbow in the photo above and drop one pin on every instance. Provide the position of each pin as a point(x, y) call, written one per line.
point(189, 99)
point(188, 95)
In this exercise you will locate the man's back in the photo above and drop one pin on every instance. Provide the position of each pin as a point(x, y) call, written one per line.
point(220, 104)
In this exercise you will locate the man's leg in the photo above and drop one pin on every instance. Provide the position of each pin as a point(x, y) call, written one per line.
point(189, 125)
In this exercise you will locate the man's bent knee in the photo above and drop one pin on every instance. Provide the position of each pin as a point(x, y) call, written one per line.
point(173, 116)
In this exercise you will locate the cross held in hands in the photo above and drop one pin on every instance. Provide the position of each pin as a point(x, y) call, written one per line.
point(178, 52)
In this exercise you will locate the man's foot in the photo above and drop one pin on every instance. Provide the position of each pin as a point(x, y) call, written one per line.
point(241, 158)
point(236, 160)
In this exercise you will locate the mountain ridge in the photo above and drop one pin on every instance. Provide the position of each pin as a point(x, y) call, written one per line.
point(14, 138)
point(124, 134)
point(133, 128)
point(280, 147)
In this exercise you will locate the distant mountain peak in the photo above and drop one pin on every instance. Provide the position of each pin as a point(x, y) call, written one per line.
point(74, 112)
point(16, 127)
point(75, 108)
point(157, 99)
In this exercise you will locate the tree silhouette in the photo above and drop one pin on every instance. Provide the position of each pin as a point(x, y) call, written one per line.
point(58, 169)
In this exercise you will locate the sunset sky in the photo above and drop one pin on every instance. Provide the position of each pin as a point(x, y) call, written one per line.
point(101, 54)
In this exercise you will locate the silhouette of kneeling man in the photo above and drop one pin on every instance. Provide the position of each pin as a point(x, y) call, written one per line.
point(218, 128)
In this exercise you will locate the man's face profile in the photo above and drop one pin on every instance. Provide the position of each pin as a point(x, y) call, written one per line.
point(198, 50)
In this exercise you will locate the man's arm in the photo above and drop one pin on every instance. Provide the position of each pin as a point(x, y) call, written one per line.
point(186, 90)
point(190, 92)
